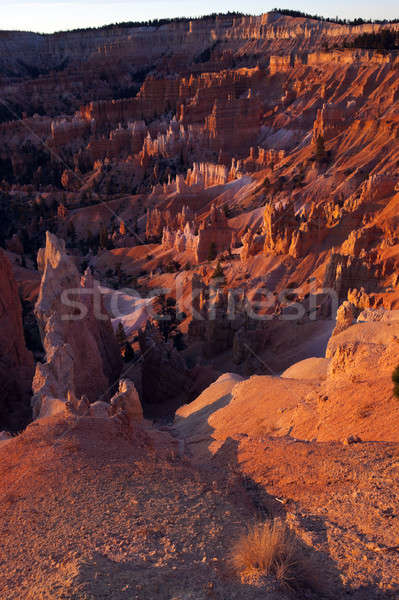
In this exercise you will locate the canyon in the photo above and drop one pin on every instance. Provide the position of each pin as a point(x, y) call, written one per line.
point(199, 258)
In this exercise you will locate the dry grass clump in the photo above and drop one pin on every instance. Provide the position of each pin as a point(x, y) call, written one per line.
point(268, 548)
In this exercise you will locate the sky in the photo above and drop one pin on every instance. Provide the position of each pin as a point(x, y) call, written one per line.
point(46, 16)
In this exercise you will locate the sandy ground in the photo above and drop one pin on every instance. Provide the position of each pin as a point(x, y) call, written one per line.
point(92, 510)
point(341, 499)
point(89, 513)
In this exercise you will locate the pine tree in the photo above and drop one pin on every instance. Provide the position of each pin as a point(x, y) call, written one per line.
point(120, 334)
point(127, 352)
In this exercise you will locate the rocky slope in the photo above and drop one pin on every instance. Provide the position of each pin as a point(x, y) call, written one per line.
point(222, 194)
point(243, 450)
point(317, 443)
point(125, 517)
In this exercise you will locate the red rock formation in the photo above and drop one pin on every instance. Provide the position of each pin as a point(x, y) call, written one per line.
point(158, 220)
point(220, 319)
point(64, 132)
point(345, 317)
point(330, 121)
point(261, 157)
point(214, 232)
point(280, 223)
point(164, 376)
point(280, 64)
point(344, 273)
point(120, 142)
point(361, 240)
point(16, 362)
point(205, 175)
point(221, 124)
point(210, 320)
point(82, 354)
point(156, 95)
point(223, 99)
point(181, 240)
point(252, 244)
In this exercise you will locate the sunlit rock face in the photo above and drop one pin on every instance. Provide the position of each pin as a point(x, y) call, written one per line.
point(82, 355)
